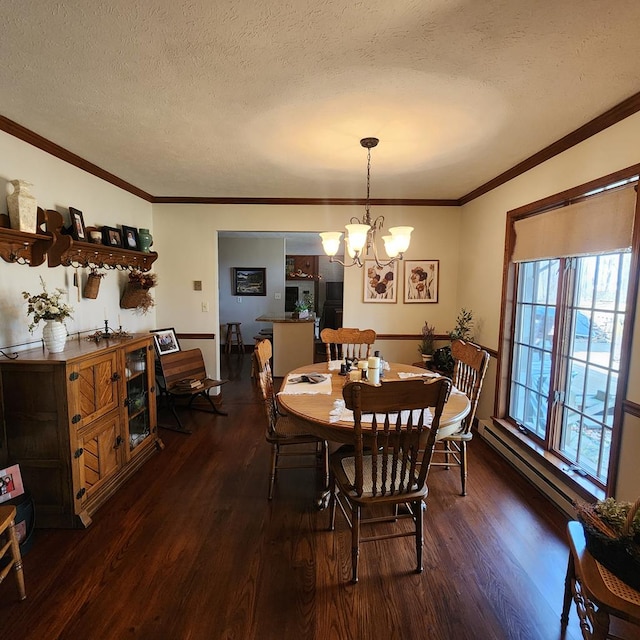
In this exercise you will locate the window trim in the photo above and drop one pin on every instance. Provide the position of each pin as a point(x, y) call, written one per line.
point(507, 312)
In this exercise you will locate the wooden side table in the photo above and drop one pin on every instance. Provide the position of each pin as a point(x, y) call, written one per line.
point(596, 592)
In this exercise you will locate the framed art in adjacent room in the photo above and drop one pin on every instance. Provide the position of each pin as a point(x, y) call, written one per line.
point(421, 278)
point(165, 341)
point(380, 283)
point(130, 238)
point(249, 281)
point(78, 231)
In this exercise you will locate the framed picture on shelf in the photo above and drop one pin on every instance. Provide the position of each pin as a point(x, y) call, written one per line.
point(78, 231)
point(421, 279)
point(111, 237)
point(130, 238)
point(249, 281)
point(380, 283)
point(165, 341)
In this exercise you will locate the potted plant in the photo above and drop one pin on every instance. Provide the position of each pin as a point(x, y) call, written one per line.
point(427, 344)
point(302, 307)
point(463, 330)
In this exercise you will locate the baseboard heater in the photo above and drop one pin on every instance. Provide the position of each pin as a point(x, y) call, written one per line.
point(526, 465)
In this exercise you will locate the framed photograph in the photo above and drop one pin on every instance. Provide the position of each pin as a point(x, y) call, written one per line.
point(165, 341)
point(130, 238)
point(10, 483)
point(111, 237)
point(421, 279)
point(380, 283)
point(249, 281)
point(78, 231)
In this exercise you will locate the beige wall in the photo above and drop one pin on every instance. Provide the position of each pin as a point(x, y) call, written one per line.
point(58, 185)
point(482, 251)
point(186, 238)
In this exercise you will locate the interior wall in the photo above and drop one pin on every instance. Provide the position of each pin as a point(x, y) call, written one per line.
point(482, 249)
point(58, 185)
point(185, 237)
point(250, 252)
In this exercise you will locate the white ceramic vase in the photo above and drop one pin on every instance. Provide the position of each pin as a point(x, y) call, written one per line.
point(54, 336)
point(23, 208)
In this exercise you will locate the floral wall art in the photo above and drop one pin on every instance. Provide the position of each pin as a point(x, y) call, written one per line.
point(421, 280)
point(380, 283)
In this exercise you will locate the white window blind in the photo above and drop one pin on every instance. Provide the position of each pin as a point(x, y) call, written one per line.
point(602, 223)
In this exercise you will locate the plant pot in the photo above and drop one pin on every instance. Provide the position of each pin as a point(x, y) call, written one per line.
point(427, 357)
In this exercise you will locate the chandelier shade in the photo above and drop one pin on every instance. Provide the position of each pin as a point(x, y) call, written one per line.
point(360, 237)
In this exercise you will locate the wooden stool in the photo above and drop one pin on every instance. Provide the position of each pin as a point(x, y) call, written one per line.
point(7, 525)
point(597, 595)
point(234, 336)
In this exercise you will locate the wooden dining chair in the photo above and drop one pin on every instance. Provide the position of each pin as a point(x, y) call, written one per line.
point(389, 461)
point(348, 343)
point(285, 433)
point(470, 366)
point(10, 557)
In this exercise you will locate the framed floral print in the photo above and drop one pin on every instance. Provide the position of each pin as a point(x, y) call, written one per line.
point(421, 279)
point(380, 283)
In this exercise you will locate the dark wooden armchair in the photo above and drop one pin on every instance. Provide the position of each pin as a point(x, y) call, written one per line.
point(183, 375)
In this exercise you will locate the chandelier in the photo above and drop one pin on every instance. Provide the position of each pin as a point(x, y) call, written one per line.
point(360, 239)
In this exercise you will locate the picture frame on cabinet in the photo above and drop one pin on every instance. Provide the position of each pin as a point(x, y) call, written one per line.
point(78, 230)
point(111, 236)
point(130, 238)
point(165, 341)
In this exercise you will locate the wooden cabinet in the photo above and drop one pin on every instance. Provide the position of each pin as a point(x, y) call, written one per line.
point(79, 423)
point(301, 267)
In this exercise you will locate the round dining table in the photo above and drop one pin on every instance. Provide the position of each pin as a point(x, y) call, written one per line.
point(315, 408)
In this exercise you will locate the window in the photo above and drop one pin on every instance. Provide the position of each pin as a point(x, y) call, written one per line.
point(565, 318)
point(575, 361)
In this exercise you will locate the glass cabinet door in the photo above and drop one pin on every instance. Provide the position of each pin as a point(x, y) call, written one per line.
point(137, 396)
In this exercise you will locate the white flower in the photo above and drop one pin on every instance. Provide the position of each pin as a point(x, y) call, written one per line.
point(39, 306)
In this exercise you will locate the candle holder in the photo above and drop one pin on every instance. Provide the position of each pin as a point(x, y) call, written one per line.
point(107, 331)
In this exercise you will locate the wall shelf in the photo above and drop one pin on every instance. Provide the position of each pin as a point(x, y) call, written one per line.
point(68, 252)
point(22, 247)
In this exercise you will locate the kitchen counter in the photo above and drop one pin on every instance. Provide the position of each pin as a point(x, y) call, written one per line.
point(293, 342)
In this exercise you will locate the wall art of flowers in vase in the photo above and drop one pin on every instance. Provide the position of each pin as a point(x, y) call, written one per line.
point(48, 306)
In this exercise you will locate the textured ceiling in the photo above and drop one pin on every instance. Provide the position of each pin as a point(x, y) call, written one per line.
point(266, 98)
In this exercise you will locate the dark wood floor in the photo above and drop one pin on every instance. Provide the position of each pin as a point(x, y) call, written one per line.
point(191, 548)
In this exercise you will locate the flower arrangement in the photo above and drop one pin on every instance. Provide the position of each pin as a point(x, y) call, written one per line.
point(426, 346)
point(143, 279)
point(136, 293)
point(94, 272)
point(46, 306)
